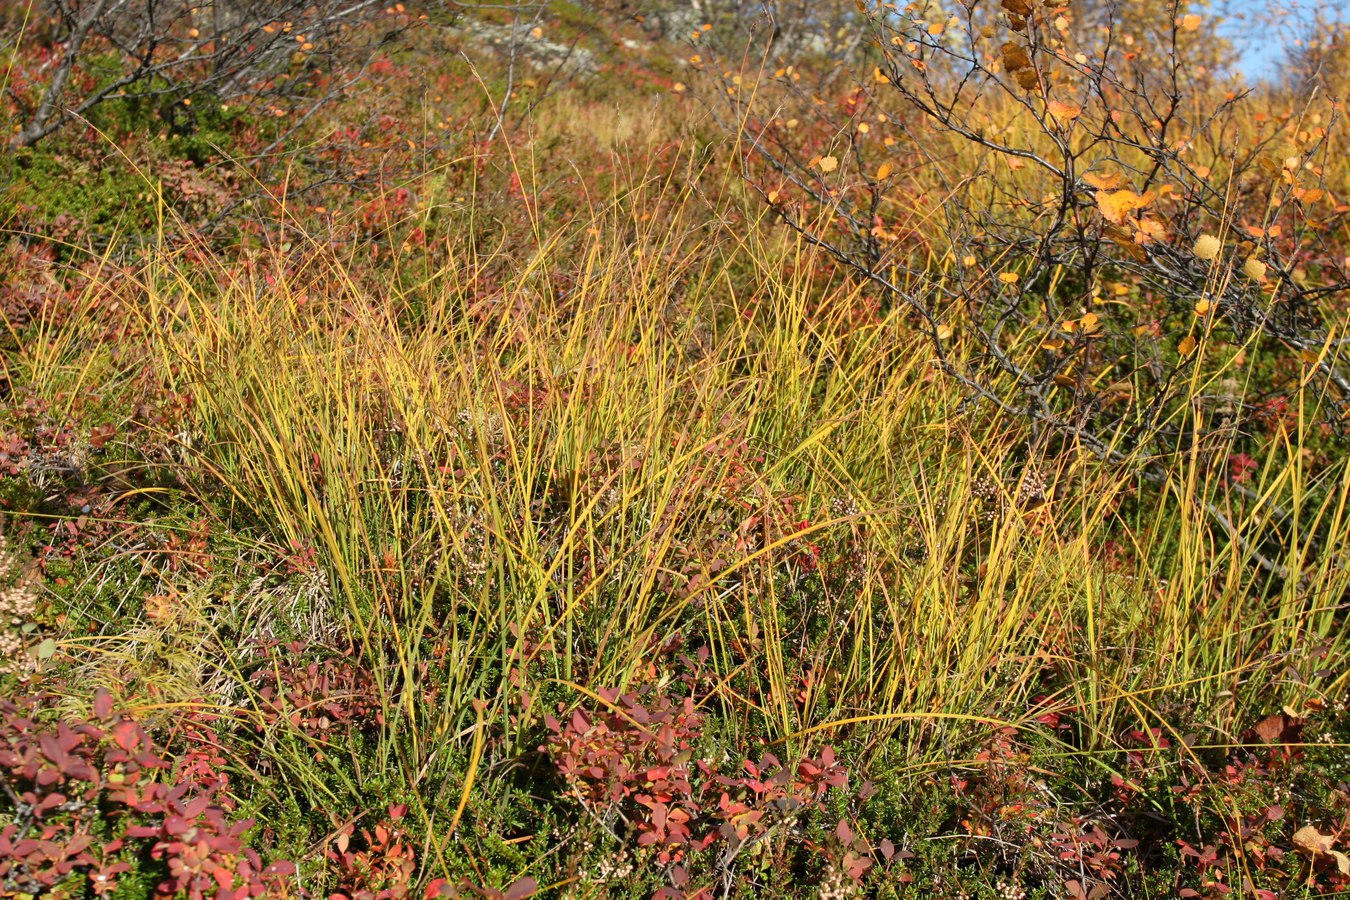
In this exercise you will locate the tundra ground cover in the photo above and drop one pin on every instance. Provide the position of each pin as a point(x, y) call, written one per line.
point(493, 499)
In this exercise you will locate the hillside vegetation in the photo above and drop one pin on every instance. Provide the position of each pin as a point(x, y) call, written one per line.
point(593, 451)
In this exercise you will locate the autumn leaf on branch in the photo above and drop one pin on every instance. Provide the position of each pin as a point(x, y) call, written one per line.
point(1118, 206)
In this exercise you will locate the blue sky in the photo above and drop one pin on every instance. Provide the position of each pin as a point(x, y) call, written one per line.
point(1263, 31)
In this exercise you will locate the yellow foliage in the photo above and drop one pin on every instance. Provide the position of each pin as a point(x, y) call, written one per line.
point(1117, 206)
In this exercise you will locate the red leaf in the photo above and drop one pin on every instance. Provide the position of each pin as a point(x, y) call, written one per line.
point(856, 866)
point(523, 888)
point(127, 735)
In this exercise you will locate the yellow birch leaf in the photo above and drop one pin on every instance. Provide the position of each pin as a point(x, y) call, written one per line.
point(1150, 229)
point(1064, 111)
point(827, 163)
point(1187, 345)
point(884, 171)
point(1117, 206)
point(1104, 181)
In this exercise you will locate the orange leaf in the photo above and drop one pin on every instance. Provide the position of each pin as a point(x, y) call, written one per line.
point(1150, 229)
point(1106, 181)
point(1065, 111)
point(1117, 206)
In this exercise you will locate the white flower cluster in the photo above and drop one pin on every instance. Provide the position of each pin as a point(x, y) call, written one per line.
point(18, 602)
point(835, 885)
point(844, 506)
point(614, 867)
point(995, 498)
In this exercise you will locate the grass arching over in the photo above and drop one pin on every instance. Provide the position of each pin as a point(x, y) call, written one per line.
point(550, 463)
